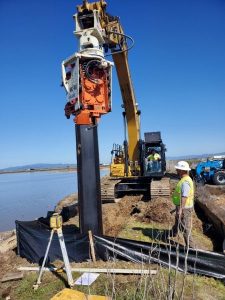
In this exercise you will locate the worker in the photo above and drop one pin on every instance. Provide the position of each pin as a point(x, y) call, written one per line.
point(183, 198)
point(154, 161)
point(116, 159)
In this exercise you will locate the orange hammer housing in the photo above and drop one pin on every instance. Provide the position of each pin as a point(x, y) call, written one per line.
point(88, 82)
point(87, 74)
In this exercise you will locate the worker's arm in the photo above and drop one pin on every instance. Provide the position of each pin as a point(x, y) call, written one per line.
point(185, 189)
point(182, 205)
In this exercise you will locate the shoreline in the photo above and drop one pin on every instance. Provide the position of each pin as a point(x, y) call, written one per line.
point(72, 169)
point(51, 172)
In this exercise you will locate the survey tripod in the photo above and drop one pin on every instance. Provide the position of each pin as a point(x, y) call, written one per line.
point(56, 226)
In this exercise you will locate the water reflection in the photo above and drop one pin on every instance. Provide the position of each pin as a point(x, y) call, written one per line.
point(26, 196)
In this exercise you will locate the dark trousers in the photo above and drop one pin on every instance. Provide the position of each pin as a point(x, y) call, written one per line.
point(184, 225)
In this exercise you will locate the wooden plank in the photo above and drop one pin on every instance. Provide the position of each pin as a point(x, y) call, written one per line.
point(12, 276)
point(96, 270)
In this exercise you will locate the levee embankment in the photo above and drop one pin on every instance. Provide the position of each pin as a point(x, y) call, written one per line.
point(211, 199)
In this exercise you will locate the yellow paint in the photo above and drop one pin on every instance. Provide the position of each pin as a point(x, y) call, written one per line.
point(68, 294)
point(94, 297)
point(117, 170)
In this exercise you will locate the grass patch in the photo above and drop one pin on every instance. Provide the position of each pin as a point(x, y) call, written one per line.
point(144, 232)
point(202, 241)
point(156, 232)
point(117, 286)
point(127, 287)
point(50, 285)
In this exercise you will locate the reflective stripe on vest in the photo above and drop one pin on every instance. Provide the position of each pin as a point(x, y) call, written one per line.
point(176, 197)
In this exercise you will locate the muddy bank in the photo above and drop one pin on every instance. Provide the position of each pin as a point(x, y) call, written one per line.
point(211, 199)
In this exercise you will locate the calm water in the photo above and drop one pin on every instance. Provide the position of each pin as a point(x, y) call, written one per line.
point(26, 196)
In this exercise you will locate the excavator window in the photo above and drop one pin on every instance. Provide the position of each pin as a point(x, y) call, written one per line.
point(86, 20)
point(153, 160)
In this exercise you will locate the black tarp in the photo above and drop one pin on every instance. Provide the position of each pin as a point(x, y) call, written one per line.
point(33, 236)
point(32, 239)
point(194, 261)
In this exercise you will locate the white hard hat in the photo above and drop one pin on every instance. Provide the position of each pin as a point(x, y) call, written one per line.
point(183, 165)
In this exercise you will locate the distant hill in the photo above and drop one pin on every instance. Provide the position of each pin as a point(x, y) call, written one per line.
point(63, 166)
point(194, 156)
point(39, 166)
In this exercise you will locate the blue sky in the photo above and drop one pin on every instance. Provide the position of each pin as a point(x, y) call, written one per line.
point(177, 66)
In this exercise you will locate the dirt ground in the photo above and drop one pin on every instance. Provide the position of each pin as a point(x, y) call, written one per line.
point(116, 216)
point(10, 261)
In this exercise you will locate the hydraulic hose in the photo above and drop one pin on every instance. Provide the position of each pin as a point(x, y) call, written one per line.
point(126, 37)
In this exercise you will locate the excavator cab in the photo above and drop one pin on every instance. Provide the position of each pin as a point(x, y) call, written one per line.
point(154, 162)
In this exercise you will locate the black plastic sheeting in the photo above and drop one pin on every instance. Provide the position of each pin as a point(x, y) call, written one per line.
point(196, 261)
point(33, 237)
point(32, 240)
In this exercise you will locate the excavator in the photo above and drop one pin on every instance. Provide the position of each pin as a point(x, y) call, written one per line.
point(131, 170)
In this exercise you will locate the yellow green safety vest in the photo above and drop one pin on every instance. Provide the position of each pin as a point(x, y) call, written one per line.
point(156, 156)
point(176, 197)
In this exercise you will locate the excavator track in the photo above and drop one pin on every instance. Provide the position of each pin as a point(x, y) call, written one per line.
point(160, 188)
point(108, 189)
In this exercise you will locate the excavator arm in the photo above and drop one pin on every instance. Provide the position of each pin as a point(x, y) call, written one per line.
point(116, 42)
point(129, 104)
point(100, 34)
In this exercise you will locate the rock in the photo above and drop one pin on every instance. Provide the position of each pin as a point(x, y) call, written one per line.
point(7, 241)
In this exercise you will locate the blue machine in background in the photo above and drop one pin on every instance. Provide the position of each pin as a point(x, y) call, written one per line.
point(211, 171)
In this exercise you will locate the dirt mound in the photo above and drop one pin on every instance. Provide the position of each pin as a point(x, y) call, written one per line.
point(220, 201)
point(66, 201)
point(157, 210)
point(215, 190)
point(116, 215)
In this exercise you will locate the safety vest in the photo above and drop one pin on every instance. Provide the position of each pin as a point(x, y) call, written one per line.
point(176, 197)
point(155, 156)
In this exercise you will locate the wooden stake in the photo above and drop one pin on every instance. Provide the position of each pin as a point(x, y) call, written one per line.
point(92, 246)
